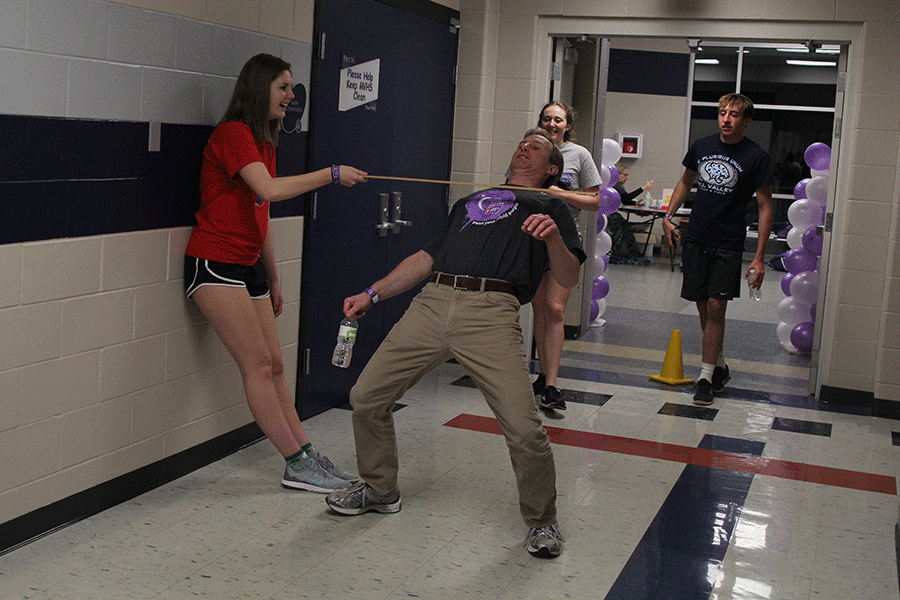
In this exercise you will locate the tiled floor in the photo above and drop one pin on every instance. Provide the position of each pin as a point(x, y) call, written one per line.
point(765, 494)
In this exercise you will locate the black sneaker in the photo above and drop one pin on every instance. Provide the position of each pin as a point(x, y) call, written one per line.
point(552, 398)
point(538, 386)
point(704, 394)
point(720, 378)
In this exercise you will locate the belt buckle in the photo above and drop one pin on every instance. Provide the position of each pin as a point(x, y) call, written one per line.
point(457, 286)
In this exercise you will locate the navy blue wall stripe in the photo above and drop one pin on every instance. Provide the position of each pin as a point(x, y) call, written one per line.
point(645, 72)
point(64, 177)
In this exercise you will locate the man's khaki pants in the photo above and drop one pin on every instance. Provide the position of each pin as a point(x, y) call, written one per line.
point(481, 331)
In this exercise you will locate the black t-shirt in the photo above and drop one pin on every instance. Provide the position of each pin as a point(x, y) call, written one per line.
point(728, 176)
point(484, 238)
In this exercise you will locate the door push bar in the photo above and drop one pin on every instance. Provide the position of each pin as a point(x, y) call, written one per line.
point(386, 223)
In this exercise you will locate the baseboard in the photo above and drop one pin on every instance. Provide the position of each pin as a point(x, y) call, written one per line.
point(44, 520)
point(886, 409)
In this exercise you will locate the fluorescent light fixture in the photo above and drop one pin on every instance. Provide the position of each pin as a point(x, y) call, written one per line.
point(801, 49)
point(811, 63)
point(707, 61)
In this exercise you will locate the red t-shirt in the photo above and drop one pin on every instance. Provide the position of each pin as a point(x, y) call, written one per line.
point(232, 221)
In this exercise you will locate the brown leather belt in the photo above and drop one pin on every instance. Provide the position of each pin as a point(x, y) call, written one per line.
point(473, 284)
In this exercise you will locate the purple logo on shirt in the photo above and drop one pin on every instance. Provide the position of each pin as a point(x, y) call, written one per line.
point(489, 206)
point(566, 180)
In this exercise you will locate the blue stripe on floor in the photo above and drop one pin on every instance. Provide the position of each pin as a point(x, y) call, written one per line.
point(681, 553)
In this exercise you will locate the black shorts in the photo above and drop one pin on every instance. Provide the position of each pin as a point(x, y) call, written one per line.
point(710, 272)
point(199, 272)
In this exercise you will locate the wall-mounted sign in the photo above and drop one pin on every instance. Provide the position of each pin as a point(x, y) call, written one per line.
point(359, 84)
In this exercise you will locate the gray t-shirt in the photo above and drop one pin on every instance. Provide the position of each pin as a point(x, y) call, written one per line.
point(579, 170)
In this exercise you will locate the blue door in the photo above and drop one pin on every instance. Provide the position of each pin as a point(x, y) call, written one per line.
point(382, 100)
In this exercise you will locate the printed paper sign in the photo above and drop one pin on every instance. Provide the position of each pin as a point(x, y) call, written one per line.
point(359, 85)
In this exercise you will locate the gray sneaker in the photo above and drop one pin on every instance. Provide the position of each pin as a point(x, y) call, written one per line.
point(544, 542)
point(310, 475)
point(362, 498)
point(330, 467)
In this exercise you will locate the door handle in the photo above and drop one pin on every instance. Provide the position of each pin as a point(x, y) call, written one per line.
point(398, 222)
point(385, 224)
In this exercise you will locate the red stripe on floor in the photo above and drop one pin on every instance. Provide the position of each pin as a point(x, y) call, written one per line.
point(744, 463)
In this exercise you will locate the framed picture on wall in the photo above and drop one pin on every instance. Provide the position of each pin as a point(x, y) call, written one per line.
point(632, 144)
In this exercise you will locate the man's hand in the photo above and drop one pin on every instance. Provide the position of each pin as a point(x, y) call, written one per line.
point(760, 268)
point(540, 227)
point(671, 232)
point(355, 307)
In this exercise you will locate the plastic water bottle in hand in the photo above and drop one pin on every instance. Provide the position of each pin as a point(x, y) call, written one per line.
point(344, 348)
point(755, 293)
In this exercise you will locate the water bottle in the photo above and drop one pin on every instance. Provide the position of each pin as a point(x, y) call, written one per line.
point(648, 200)
point(755, 293)
point(344, 348)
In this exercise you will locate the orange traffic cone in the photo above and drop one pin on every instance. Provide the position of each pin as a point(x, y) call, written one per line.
point(673, 367)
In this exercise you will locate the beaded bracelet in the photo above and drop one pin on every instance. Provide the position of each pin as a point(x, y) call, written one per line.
point(335, 174)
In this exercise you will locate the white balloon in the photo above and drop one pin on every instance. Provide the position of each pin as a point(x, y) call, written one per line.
point(601, 304)
point(795, 237)
point(784, 336)
point(604, 176)
point(612, 152)
point(817, 190)
point(818, 173)
point(792, 311)
point(804, 214)
point(805, 287)
point(604, 244)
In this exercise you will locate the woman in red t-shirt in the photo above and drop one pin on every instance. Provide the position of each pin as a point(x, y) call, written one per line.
point(230, 267)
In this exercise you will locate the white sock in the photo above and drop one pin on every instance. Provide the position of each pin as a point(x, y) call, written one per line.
point(706, 371)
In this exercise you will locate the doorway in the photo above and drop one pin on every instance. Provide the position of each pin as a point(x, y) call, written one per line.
point(797, 89)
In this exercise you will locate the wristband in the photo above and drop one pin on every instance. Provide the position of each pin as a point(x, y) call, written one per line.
point(335, 174)
point(667, 217)
point(372, 295)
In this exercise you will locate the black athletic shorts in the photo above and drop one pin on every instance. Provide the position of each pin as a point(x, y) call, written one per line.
point(710, 272)
point(199, 272)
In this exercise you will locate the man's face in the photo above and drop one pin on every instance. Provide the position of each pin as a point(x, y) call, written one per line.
point(532, 156)
point(732, 123)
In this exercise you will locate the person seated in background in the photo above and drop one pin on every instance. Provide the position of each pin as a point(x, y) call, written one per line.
point(625, 249)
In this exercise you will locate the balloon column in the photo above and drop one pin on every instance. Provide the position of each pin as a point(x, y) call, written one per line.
point(800, 284)
point(609, 203)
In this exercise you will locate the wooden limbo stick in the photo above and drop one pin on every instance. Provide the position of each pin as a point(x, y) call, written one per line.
point(503, 187)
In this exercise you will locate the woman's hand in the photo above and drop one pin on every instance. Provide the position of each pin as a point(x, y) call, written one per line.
point(351, 176)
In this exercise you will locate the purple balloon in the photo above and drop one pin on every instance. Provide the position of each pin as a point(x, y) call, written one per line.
point(595, 310)
point(613, 176)
point(601, 222)
point(600, 288)
point(798, 260)
point(812, 241)
point(605, 262)
point(800, 189)
point(818, 156)
point(802, 337)
point(786, 283)
point(610, 201)
point(812, 312)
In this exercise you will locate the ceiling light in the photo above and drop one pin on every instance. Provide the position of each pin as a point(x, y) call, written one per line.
point(811, 63)
point(707, 61)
